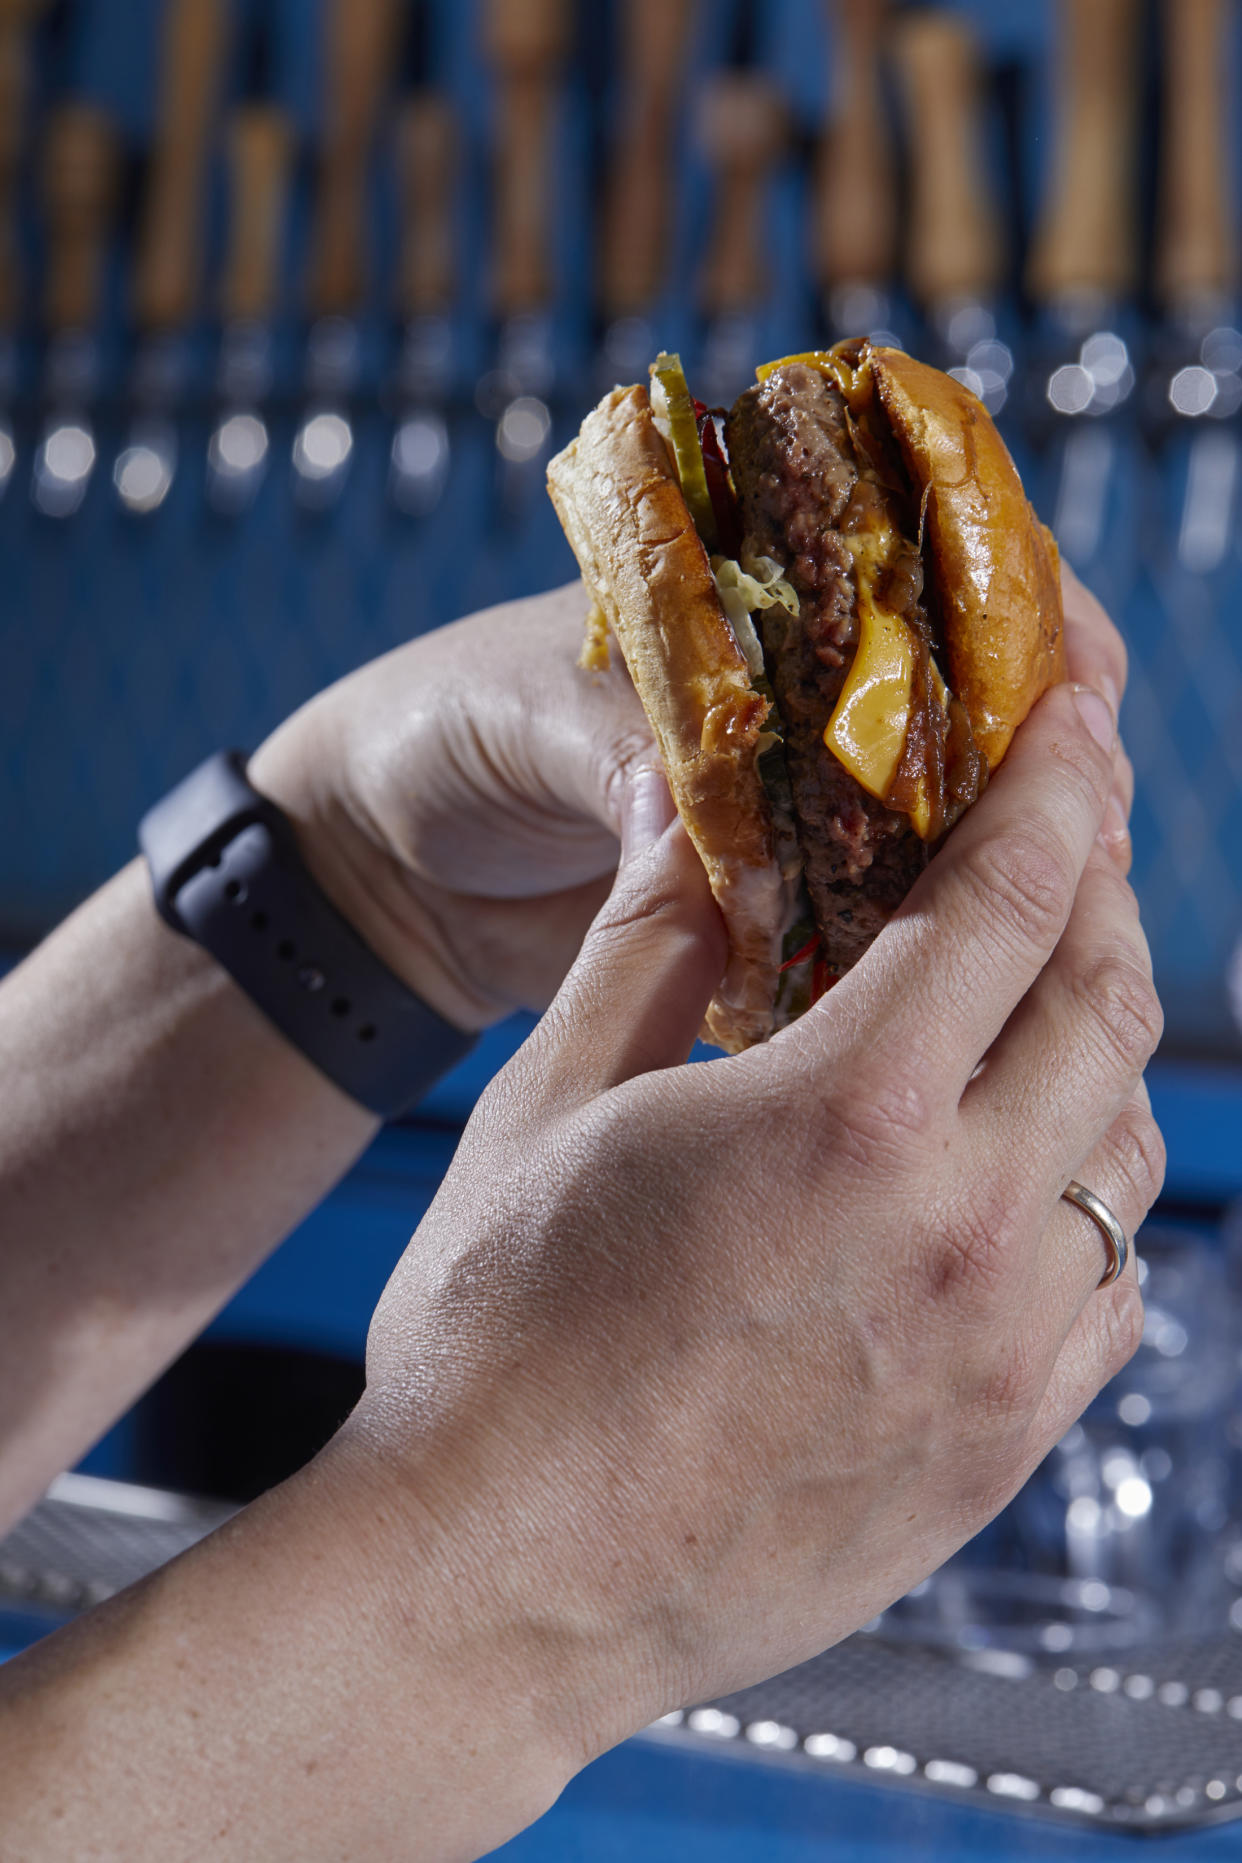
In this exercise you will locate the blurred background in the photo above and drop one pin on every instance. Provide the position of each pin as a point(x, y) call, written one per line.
point(298, 296)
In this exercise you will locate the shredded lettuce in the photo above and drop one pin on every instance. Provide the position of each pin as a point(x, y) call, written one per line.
point(756, 582)
point(760, 582)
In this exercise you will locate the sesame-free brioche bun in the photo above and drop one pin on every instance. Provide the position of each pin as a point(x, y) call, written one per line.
point(617, 495)
point(996, 565)
point(880, 493)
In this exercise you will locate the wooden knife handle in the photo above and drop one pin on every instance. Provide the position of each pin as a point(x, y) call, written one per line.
point(1196, 248)
point(260, 150)
point(81, 175)
point(654, 41)
point(526, 41)
point(359, 42)
point(854, 225)
point(359, 47)
point(170, 240)
point(1085, 244)
point(17, 17)
point(954, 248)
point(527, 36)
point(743, 129)
point(642, 187)
point(428, 166)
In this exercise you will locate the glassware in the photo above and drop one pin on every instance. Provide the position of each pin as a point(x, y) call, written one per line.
point(1119, 1537)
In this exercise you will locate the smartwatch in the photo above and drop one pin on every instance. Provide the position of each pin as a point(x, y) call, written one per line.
point(227, 872)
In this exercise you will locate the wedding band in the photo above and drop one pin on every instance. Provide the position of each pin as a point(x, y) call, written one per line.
point(1107, 1224)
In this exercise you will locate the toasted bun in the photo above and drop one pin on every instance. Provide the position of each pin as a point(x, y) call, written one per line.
point(995, 565)
point(617, 495)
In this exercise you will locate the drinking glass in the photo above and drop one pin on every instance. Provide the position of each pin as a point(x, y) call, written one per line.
point(1120, 1537)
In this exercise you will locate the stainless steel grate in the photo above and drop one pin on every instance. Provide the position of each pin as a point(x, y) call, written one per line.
point(1150, 1743)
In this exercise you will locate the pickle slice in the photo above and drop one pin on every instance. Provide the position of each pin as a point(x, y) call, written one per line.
point(672, 402)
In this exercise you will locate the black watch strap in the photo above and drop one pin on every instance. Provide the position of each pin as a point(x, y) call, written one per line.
point(227, 872)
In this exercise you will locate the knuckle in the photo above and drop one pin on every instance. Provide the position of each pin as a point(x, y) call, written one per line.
point(987, 1485)
point(1125, 776)
point(1137, 1149)
point(966, 1256)
point(1023, 886)
point(1109, 648)
point(1006, 1390)
point(1084, 762)
point(651, 917)
point(884, 1126)
point(1001, 1392)
point(1118, 656)
point(630, 751)
point(1121, 1326)
point(1122, 999)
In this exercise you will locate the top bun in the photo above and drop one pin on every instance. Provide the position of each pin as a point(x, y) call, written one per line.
point(994, 564)
point(617, 494)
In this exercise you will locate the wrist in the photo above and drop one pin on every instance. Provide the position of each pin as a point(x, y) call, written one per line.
point(302, 768)
point(450, 1676)
point(491, 1579)
point(281, 1670)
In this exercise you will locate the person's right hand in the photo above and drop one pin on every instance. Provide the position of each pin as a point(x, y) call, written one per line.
point(691, 1371)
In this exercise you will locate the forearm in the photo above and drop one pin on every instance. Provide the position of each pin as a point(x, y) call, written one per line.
point(307, 1684)
point(160, 1136)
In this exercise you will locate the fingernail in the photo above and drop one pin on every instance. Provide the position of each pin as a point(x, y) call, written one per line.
point(647, 808)
point(1106, 685)
point(1096, 715)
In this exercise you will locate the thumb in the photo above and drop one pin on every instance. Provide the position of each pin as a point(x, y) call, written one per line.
point(635, 998)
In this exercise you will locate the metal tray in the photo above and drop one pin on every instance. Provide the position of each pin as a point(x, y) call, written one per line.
point(1153, 1742)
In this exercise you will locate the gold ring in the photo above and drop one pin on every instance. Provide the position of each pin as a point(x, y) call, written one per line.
point(1107, 1224)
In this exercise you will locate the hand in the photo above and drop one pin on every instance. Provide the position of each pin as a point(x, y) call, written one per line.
point(459, 799)
point(691, 1371)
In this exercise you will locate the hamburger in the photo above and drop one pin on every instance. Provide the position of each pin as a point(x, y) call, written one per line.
point(836, 605)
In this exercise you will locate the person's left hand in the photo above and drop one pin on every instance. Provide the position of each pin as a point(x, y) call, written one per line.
point(459, 799)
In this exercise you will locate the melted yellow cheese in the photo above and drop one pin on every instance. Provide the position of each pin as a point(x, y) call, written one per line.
point(594, 657)
point(826, 361)
point(867, 730)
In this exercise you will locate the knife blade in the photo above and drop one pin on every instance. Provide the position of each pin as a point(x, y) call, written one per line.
point(168, 274)
point(17, 22)
point(1180, 626)
point(1196, 377)
point(358, 51)
point(525, 43)
point(81, 163)
point(428, 168)
point(428, 149)
point(259, 140)
point(1081, 276)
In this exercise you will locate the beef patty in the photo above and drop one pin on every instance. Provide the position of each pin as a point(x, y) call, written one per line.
point(807, 473)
